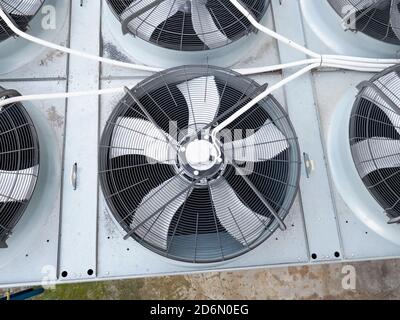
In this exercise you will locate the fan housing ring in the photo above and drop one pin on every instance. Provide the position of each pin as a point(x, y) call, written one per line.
point(175, 215)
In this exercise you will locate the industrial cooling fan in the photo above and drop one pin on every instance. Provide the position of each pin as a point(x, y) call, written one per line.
point(19, 164)
point(375, 139)
point(379, 19)
point(176, 192)
point(187, 25)
point(20, 12)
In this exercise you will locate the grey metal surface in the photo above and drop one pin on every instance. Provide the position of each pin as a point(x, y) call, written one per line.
point(321, 221)
point(20, 59)
point(79, 202)
point(318, 206)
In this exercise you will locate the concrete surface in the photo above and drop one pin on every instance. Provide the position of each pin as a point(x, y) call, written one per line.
point(374, 280)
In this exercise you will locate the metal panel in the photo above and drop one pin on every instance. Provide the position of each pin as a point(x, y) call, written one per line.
point(78, 251)
point(91, 239)
point(319, 210)
point(21, 59)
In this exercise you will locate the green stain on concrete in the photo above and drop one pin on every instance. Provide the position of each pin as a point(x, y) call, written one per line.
point(137, 289)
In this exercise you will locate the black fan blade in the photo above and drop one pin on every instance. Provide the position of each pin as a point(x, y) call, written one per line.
point(270, 178)
point(128, 180)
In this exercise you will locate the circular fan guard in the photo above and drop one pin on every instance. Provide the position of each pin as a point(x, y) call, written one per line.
point(375, 139)
point(19, 163)
point(186, 25)
point(20, 12)
point(159, 200)
point(379, 19)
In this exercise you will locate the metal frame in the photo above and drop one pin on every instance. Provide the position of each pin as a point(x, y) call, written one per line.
point(324, 219)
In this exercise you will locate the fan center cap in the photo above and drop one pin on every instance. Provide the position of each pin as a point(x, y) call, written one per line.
point(201, 155)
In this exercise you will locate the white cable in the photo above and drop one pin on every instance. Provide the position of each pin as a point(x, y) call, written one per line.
point(244, 71)
point(51, 45)
point(358, 64)
point(63, 95)
point(259, 70)
point(362, 59)
point(273, 34)
point(345, 60)
point(260, 97)
point(316, 60)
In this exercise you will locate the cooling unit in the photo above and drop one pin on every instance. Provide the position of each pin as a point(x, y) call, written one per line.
point(172, 198)
point(19, 164)
point(178, 194)
point(185, 31)
point(370, 186)
point(375, 139)
point(356, 27)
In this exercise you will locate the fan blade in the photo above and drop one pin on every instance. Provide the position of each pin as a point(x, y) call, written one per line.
point(16, 185)
point(377, 153)
point(387, 88)
point(205, 27)
point(265, 144)
point(150, 20)
point(23, 8)
point(202, 97)
point(153, 226)
point(239, 221)
point(138, 136)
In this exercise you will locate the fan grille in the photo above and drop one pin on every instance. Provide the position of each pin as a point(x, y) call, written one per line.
point(187, 25)
point(20, 12)
point(379, 19)
point(375, 138)
point(208, 223)
point(19, 164)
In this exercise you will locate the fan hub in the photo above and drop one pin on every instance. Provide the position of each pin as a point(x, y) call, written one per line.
point(200, 158)
point(201, 155)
